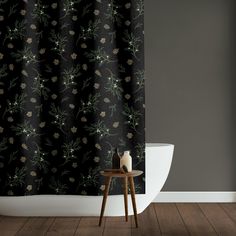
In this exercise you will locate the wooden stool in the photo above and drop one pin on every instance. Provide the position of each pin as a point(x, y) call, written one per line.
point(126, 176)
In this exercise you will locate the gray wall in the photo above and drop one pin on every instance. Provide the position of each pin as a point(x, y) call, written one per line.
point(190, 90)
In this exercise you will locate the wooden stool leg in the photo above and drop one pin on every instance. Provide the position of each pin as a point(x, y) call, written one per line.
point(107, 186)
point(132, 190)
point(126, 197)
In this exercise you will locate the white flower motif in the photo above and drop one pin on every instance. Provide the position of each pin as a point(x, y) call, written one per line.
point(74, 91)
point(24, 72)
point(84, 140)
point(23, 12)
point(42, 124)
point(54, 5)
point(24, 146)
point(54, 79)
point(1, 56)
point(10, 45)
point(98, 73)
point(11, 140)
point(115, 50)
point(42, 51)
point(71, 106)
point(130, 62)
point(128, 5)
point(74, 18)
point(10, 119)
point(56, 135)
point(33, 173)
point(85, 67)
point(127, 96)
point(102, 40)
point(56, 62)
point(83, 45)
point(102, 187)
point(74, 165)
point(96, 12)
point(103, 114)
point(33, 26)
point(98, 146)
point(72, 180)
point(54, 23)
point(127, 79)
point(10, 193)
point(23, 85)
point(1, 91)
point(73, 129)
point(54, 152)
point(129, 135)
point(1, 129)
point(29, 114)
point(11, 67)
point(29, 187)
point(106, 100)
point(127, 23)
point(23, 159)
point(96, 159)
point(96, 86)
point(83, 119)
point(106, 26)
point(54, 96)
point(73, 56)
point(115, 124)
point(29, 40)
point(33, 100)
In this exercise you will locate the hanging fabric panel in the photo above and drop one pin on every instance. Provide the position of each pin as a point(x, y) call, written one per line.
point(71, 91)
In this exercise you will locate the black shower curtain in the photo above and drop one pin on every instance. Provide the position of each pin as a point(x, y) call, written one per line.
point(71, 90)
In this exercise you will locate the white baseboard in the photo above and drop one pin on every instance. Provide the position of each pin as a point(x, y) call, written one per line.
point(196, 197)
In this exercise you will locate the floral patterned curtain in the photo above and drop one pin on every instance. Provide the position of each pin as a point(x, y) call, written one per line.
point(71, 91)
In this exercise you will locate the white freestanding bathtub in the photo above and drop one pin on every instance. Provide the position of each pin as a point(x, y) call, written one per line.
point(158, 162)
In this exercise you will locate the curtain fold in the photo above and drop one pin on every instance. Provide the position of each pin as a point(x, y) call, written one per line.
point(71, 91)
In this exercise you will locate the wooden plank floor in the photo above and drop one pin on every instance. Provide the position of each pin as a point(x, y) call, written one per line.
point(167, 219)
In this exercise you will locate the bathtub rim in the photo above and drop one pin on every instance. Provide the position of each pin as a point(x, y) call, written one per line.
point(159, 145)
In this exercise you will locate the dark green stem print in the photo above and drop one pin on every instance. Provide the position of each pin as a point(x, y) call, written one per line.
point(71, 92)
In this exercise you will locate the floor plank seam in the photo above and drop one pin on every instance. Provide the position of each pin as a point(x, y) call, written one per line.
point(23, 225)
point(54, 219)
point(104, 224)
point(77, 226)
point(208, 219)
point(156, 217)
point(182, 219)
point(226, 213)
